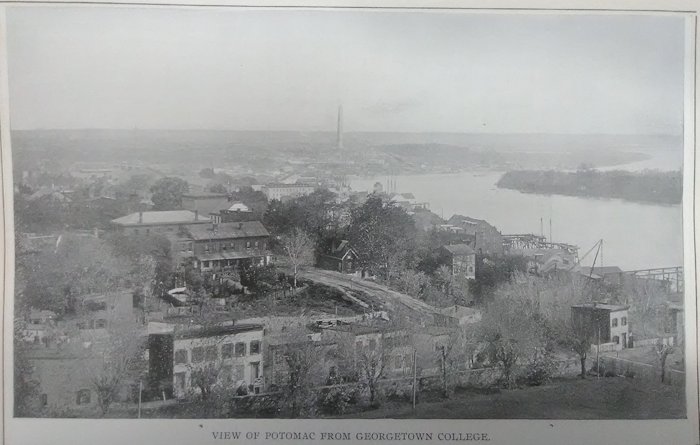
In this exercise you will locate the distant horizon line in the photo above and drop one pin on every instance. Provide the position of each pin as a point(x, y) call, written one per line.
point(222, 130)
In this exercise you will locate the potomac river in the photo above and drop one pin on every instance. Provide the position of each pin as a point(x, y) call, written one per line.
point(636, 236)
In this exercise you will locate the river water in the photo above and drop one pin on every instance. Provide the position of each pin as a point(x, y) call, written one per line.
point(636, 236)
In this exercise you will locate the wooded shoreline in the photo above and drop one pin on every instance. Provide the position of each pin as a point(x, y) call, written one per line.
point(649, 186)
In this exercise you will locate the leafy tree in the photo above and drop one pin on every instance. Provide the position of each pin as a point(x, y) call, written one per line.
point(491, 271)
point(259, 279)
point(312, 214)
point(218, 188)
point(206, 172)
point(167, 193)
point(77, 266)
point(379, 232)
point(299, 248)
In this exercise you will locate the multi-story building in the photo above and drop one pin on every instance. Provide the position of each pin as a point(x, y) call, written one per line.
point(225, 245)
point(225, 355)
point(606, 323)
point(205, 202)
point(461, 259)
point(163, 222)
point(236, 211)
point(282, 191)
point(478, 234)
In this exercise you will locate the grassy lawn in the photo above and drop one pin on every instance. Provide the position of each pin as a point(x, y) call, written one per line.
point(646, 354)
point(607, 398)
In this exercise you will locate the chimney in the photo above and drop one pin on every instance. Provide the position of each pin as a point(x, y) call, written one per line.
point(140, 217)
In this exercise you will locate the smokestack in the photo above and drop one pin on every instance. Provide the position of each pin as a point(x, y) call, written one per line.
point(140, 216)
point(339, 137)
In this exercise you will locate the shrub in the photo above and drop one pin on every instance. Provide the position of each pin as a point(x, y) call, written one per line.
point(397, 393)
point(337, 400)
point(540, 370)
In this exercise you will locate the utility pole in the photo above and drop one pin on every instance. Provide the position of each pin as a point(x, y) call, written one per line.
point(138, 416)
point(444, 371)
point(597, 354)
point(414, 378)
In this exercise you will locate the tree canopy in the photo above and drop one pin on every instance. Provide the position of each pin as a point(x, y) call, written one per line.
point(167, 193)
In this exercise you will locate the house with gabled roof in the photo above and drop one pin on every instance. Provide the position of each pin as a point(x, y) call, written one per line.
point(461, 259)
point(340, 256)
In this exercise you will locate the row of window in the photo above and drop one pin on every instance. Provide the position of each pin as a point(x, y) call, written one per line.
point(623, 322)
point(93, 324)
point(225, 246)
point(211, 353)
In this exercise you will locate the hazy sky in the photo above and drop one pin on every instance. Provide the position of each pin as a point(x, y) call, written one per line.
point(392, 71)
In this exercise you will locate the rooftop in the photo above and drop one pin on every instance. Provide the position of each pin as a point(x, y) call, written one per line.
point(217, 331)
point(603, 306)
point(160, 217)
point(246, 229)
point(459, 249)
point(203, 195)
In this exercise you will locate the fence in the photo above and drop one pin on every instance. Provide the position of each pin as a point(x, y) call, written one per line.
point(606, 347)
point(645, 371)
point(653, 341)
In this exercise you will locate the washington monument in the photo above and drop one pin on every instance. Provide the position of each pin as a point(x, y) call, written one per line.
point(339, 139)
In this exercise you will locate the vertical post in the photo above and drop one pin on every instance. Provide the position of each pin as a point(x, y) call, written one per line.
point(597, 355)
point(138, 416)
point(414, 379)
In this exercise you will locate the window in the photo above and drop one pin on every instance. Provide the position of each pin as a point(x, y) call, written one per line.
point(372, 345)
point(136, 231)
point(180, 381)
point(255, 369)
point(197, 354)
point(99, 324)
point(623, 321)
point(205, 263)
point(180, 356)
point(227, 350)
point(616, 340)
point(83, 397)
point(148, 231)
point(397, 362)
point(256, 244)
point(240, 349)
point(211, 353)
point(44, 400)
point(614, 322)
point(247, 244)
point(255, 347)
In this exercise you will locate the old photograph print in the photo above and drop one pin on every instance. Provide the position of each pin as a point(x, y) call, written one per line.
point(305, 213)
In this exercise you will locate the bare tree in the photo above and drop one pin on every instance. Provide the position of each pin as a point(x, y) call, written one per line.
point(662, 352)
point(299, 248)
